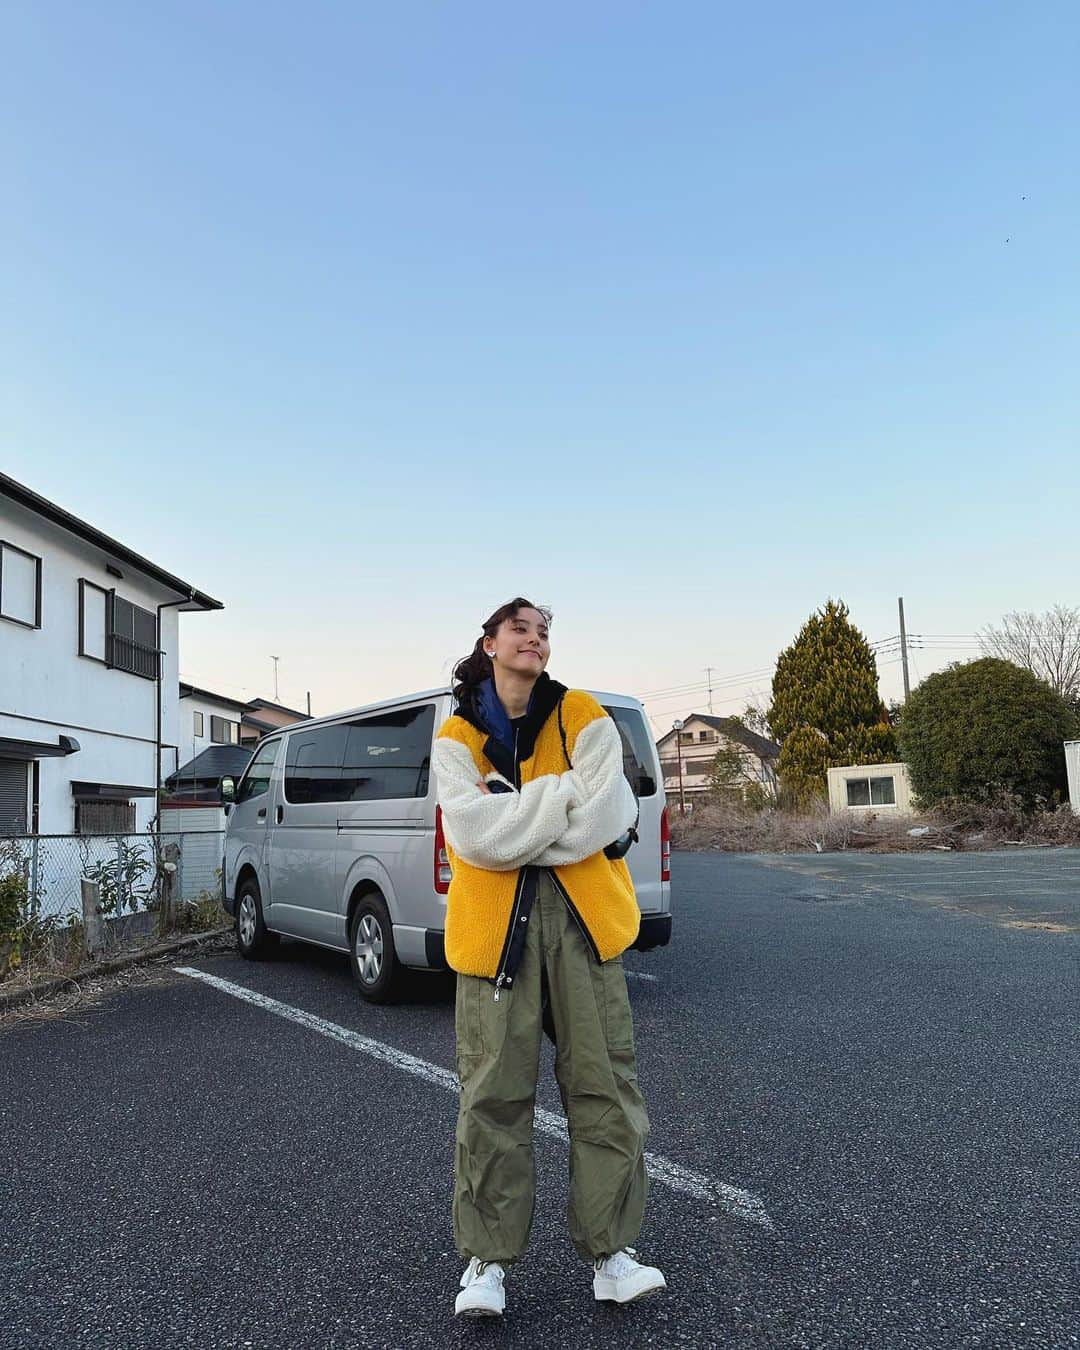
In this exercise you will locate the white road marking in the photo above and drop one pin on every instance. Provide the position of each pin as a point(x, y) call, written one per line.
point(739, 1203)
point(640, 975)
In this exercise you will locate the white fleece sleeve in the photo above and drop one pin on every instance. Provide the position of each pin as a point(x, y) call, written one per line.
point(608, 807)
point(500, 831)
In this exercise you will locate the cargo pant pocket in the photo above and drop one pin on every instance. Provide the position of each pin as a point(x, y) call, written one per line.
point(615, 1004)
point(468, 1020)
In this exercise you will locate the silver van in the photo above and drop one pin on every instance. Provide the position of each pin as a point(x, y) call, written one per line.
point(334, 837)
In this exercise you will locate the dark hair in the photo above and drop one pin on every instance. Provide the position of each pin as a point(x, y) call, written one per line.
point(473, 669)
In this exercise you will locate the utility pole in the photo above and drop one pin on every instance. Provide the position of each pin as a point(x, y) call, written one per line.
point(708, 672)
point(309, 702)
point(903, 650)
point(275, 660)
point(677, 726)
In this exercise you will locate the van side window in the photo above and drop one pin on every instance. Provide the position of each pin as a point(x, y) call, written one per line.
point(313, 764)
point(256, 777)
point(389, 755)
point(637, 750)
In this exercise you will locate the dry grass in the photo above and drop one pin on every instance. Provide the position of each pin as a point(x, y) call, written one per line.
point(728, 828)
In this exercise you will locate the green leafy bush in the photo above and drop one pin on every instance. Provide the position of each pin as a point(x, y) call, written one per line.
point(984, 729)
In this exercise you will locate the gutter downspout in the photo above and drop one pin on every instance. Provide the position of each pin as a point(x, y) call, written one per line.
point(167, 604)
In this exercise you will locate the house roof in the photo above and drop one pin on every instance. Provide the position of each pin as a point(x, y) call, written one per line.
point(734, 731)
point(247, 706)
point(259, 724)
point(187, 690)
point(214, 762)
point(280, 707)
point(18, 492)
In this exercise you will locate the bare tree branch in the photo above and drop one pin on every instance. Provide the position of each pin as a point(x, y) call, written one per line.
point(1046, 644)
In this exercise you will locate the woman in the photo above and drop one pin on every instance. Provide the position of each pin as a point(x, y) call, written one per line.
point(532, 790)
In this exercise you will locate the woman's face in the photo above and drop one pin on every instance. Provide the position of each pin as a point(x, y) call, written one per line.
point(521, 644)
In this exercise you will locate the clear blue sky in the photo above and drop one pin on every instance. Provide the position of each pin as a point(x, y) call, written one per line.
point(680, 318)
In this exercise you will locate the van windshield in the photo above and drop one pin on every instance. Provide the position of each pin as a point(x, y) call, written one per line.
point(638, 752)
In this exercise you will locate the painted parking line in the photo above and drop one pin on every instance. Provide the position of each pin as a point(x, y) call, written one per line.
point(737, 1202)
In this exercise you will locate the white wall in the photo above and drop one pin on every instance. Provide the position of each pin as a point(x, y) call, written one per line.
point(1072, 764)
point(190, 744)
point(47, 689)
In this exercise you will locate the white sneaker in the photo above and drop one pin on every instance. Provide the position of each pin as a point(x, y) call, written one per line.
point(482, 1293)
point(620, 1279)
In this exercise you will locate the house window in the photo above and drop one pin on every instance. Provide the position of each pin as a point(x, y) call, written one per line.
point(131, 639)
point(707, 736)
point(20, 586)
point(93, 608)
point(696, 767)
point(197, 724)
point(686, 738)
point(117, 632)
point(224, 732)
point(12, 796)
point(93, 816)
point(879, 791)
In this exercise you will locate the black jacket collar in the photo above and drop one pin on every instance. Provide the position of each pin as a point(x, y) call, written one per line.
point(546, 695)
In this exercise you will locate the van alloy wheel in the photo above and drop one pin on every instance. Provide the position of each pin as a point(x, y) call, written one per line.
point(253, 939)
point(246, 919)
point(371, 949)
point(368, 948)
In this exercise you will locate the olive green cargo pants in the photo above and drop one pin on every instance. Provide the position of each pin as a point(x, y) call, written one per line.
point(498, 1059)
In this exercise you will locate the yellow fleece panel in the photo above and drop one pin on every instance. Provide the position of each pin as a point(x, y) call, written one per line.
point(479, 903)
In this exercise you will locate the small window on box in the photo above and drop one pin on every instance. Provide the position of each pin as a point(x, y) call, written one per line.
point(858, 792)
point(882, 792)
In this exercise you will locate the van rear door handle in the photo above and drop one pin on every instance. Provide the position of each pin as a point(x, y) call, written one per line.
point(260, 814)
point(279, 815)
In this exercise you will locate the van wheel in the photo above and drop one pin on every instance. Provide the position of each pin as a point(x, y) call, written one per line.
point(371, 950)
point(253, 938)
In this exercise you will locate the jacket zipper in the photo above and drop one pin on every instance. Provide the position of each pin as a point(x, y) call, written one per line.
point(573, 910)
point(502, 977)
point(504, 958)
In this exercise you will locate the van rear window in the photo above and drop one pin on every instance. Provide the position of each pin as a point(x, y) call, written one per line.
point(638, 750)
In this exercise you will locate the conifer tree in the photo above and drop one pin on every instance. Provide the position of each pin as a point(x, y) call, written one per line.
point(826, 709)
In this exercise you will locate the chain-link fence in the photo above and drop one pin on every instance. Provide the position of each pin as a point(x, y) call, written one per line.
point(128, 868)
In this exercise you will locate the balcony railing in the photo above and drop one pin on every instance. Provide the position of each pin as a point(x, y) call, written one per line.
point(124, 653)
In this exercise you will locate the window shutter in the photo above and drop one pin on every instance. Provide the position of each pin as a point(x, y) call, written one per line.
point(12, 796)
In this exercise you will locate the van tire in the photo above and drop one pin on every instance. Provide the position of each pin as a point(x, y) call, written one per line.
point(253, 939)
point(371, 950)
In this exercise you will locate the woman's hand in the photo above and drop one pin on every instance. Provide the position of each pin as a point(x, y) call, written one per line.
point(483, 786)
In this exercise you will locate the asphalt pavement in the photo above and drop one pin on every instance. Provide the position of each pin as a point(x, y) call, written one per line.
point(863, 1076)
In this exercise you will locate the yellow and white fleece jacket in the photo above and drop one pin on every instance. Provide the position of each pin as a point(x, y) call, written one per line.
point(556, 817)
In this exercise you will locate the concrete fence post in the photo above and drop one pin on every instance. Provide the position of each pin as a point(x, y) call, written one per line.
point(167, 913)
point(93, 928)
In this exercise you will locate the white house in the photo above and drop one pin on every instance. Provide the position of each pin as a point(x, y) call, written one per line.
point(217, 735)
point(89, 672)
point(688, 756)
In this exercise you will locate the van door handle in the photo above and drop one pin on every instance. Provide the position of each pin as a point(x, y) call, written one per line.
point(279, 815)
point(260, 814)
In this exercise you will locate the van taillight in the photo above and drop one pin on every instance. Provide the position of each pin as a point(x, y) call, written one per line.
point(665, 848)
point(442, 862)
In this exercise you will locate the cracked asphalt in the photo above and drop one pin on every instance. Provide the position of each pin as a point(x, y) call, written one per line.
point(882, 1049)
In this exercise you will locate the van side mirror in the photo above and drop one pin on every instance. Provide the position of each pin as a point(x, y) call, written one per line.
point(228, 791)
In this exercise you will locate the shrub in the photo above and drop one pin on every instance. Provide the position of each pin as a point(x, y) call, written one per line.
point(983, 729)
